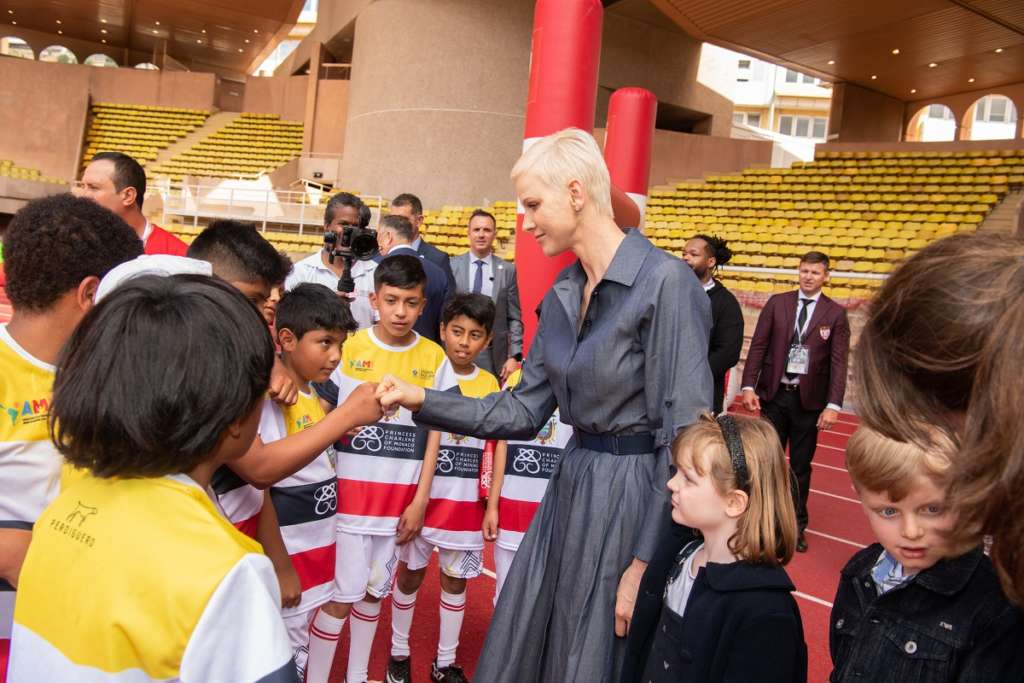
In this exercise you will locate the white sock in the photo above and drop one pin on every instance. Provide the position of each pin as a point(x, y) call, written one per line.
point(323, 641)
point(402, 607)
point(361, 629)
point(453, 609)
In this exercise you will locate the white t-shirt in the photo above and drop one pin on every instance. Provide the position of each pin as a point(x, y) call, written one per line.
point(677, 594)
point(313, 269)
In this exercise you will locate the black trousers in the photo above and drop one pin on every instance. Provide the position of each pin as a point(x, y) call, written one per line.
point(798, 429)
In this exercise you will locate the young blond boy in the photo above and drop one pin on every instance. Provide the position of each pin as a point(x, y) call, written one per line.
point(911, 607)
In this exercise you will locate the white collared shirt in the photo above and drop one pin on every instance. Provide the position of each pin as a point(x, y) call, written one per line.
point(488, 275)
point(416, 244)
point(146, 232)
point(313, 269)
point(709, 285)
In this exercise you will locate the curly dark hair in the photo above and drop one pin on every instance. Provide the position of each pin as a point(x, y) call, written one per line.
point(716, 247)
point(54, 243)
point(155, 373)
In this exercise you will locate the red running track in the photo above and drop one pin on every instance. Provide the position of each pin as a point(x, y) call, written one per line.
point(837, 529)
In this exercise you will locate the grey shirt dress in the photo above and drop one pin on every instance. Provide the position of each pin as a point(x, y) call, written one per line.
point(634, 363)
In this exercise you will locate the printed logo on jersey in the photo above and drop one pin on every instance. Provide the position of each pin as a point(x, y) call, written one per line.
point(528, 460)
point(326, 499)
point(548, 432)
point(303, 422)
point(71, 526)
point(30, 412)
point(360, 365)
point(423, 374)
point(457, 438)
point(389, 441)
point(458, 461)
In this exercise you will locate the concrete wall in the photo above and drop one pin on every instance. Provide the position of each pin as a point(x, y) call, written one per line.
point(666, 62)
point(158, 88)
point(863, 115)
point(683, 156)
point(330, 117)
point(437, 98)
point(281, 95)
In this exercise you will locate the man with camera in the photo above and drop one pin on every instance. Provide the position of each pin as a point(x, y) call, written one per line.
point(349, 245)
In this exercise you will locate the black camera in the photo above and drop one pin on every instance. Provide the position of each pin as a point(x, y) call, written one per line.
point(355, 243)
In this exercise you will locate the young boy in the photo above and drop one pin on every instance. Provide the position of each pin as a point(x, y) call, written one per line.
point(56, 250)
point(132, 573)
point(383, 477)
point(455, 512)
point(911, 607)
point(311, 326)
point(521, 473)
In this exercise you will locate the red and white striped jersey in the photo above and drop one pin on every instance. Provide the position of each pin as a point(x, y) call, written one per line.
point(379, 467)
point(455, 513)
point(528, 466)
point(305, 502)
point(239, 500)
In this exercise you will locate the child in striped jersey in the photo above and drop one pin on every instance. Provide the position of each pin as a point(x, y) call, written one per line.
point(521, 473)
point(455, 511)
point(383, 476)
point(311, 325)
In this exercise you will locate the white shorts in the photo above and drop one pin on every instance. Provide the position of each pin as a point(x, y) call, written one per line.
point(297, 626)
point(502, 562)
point(458, 564)
point(363, 565)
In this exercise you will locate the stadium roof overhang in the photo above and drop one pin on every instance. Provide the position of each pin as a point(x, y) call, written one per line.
point(223, 36)
point(908, 49)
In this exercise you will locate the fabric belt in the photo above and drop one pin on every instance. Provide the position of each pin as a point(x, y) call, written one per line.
point(616, 444)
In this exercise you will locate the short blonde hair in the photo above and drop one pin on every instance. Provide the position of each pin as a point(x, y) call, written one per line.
point(570, 154)
point(766, 532)
point(879, 464)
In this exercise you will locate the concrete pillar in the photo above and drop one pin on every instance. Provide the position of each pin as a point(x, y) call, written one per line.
point(438, 85)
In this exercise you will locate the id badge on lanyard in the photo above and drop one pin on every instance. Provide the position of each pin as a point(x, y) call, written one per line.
point(798, 361)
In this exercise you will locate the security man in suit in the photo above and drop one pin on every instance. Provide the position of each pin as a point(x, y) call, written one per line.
point(394, 236)
point(410, 207)
point(481, 272)
point(796, 370)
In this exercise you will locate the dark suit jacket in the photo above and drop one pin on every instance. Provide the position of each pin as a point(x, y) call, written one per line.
point(508, 319)
point(437, 293)
point(827, 339)
point(726, 338)
point(439, 259)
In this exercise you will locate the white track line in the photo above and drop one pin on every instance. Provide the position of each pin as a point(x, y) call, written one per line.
point(837, 539)
point(829, 467)
point(831, 448)
point(836, 495)
point(811, 598)
point(487, 572)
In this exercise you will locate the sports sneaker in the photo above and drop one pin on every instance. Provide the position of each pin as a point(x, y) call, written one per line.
point(448, 674)
point(399, 670)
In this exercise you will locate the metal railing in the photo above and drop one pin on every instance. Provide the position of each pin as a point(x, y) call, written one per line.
point(196, 203)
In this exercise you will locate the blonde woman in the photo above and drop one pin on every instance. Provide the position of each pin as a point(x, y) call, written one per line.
point(621, 350)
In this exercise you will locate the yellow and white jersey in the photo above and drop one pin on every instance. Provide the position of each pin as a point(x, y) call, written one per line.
point(29, 463)
point(137, 580)
point(379, 468)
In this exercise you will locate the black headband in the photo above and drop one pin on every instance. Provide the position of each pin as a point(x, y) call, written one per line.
point(731, 432)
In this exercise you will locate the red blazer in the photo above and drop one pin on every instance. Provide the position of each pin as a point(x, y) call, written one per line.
point(828, 342)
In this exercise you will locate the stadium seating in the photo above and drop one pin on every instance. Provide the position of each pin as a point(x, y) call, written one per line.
point(867, 211)
point(138, 130)
point(9, 169)
point(248, 147)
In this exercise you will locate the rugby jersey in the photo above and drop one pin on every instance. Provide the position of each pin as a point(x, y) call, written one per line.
point(305, 502)
point(143, 580)
point(29, 463)
point(455, 513)
point(378, 469)
point(528, 466)
point(238, 500)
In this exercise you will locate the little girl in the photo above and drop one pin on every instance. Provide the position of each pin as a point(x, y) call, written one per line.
point(726, 613)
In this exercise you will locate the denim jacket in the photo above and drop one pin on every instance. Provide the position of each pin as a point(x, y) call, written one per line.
point(950, 623)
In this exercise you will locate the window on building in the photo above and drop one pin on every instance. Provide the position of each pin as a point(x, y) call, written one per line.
point(12, 46)
point(738, 117)
point(803, 126)
point(792, 76)
point(754, 120)
point(100, 59)
point(147, 66)
point(749, 118)
point(939, 111)
point(797, 77)
point(995, 109)
point(58, 53)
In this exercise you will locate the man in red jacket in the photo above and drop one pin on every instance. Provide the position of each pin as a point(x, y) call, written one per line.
point(117, 182)
point(796, 370)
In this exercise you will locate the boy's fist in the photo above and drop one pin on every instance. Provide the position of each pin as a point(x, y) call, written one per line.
point(363, 405)
point(393, 392)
